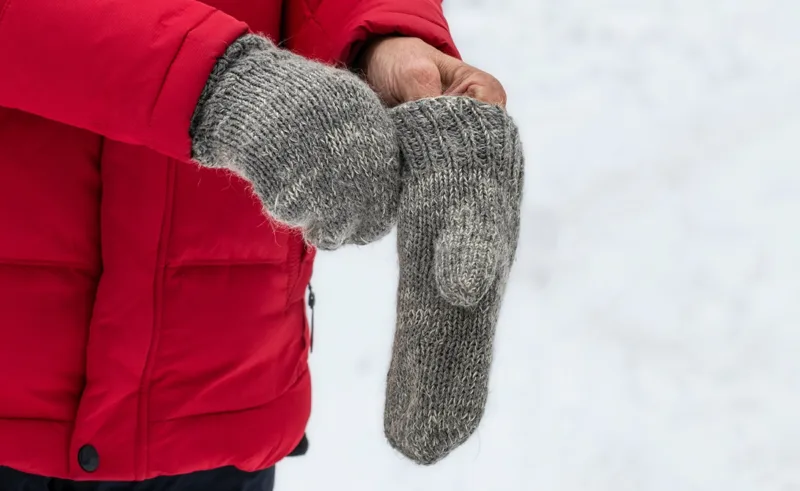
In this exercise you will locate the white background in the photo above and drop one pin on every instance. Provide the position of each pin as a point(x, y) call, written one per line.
point(650, 339)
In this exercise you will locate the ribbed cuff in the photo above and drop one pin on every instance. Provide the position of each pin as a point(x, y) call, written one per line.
point(244, 46)
point(451, 131)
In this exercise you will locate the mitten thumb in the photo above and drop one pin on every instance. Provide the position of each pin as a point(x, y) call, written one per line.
point(467, 256)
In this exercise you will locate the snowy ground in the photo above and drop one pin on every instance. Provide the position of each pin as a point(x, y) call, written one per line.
point(650, 340)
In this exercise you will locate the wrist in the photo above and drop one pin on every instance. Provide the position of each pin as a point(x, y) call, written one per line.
point(364, 54)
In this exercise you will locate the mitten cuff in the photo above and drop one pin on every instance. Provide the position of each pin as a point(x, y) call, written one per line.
point(243, 46)
point(453, 131)
point(207, 130)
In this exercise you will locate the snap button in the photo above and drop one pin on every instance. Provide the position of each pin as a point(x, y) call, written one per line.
point(88, 458)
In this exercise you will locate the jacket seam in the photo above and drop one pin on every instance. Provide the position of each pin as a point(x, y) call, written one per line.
point(351, 49)
point(143, 415)
point(172, 62)
point(37, 263)
point(428, 20)
point(311, 18)
point(292, 386)
point(42, 420)
point(312, 11)
point(223, 263)
point(4, 9)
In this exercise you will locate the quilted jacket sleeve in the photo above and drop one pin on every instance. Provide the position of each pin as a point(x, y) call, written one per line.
point(129, 70)
point(334, 30)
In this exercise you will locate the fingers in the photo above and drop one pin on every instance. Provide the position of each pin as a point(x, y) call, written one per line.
point(480, 86)
point(371, 229)
point(359, 227)
point(465, 80)
point(489, 93)
point(466, 257)
point(329, 234)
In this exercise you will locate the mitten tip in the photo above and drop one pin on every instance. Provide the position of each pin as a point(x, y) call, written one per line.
point(419, 455)
point(425, 444)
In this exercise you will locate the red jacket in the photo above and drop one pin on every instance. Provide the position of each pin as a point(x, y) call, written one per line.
point(148, 310)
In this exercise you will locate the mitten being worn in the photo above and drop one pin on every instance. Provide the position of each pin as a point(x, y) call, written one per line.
point(458, 226)
point(315, 142)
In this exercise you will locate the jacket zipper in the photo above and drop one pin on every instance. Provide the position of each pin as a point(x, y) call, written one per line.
point(296, 261)
point(312, 301)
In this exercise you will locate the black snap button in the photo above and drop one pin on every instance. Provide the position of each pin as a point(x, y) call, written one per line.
point(88, 458)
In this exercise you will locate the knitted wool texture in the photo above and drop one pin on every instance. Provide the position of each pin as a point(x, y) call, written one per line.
point(322, 154)
point(458, 225)
point(314, 141)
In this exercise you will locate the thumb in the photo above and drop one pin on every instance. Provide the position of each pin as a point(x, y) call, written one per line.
point(466, 257)
point(449, 70)
point(421, 81)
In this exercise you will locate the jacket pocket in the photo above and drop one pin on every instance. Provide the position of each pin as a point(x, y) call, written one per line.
point(300, 259)
point(300, 264)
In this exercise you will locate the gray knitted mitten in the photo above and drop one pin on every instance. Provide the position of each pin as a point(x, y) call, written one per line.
point(315, 142)
point(458, 226)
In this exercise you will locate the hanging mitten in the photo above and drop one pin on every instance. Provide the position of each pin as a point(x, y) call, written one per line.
point(458, 225)
point(314, 141)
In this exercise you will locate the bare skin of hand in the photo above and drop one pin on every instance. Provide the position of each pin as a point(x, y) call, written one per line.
point(402, 69)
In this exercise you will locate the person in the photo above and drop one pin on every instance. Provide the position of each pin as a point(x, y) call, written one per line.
point(153, 322)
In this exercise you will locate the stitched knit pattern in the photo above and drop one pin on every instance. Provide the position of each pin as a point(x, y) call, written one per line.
point(314, 141)
point(458, 226)
point(325, 156)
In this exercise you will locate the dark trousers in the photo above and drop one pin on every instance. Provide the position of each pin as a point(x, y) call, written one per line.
point(225, 479)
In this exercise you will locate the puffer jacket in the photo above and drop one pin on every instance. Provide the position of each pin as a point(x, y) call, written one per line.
point(152, 320)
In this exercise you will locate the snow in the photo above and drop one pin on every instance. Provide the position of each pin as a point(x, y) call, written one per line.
point(649, 340)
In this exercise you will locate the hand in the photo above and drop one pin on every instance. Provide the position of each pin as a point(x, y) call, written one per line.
point(314, 141)
point(403, 69)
